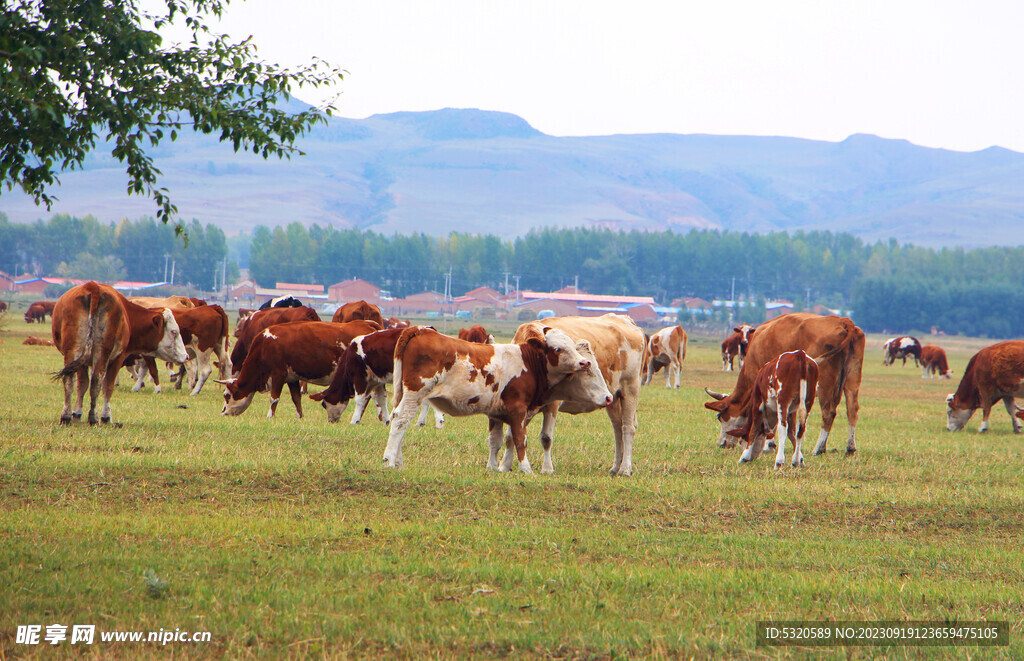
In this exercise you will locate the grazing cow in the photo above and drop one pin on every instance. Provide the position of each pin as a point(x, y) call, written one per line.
point(170, 302)
point(736, 345)
point(3, 306)
point(901, 347)
point(38, 342)
point(251, 327)
point(783, 394)
point(282, 302)
point(994, 373)
point(933, 362)
point(38, 311)
point(244, 313)
point(287, 354)
point(501, 381)
point(395, 322)
point(618, 344)
point(198, 302)
point(667, 347)
point(476, 333)
point(364, 371)
point(95, 327)
point(204, 330)
point(355, 310)
point(836, 344)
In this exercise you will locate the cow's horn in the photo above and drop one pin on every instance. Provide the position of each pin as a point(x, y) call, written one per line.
point(223, 383)
point(712, 393)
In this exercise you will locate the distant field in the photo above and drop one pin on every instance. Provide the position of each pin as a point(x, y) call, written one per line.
point(286, 538)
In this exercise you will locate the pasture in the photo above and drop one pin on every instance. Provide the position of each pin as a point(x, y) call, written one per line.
point(286, 538)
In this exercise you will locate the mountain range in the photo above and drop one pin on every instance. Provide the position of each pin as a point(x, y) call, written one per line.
point(491, 172)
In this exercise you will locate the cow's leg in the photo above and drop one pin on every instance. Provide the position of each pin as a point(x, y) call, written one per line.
point(924, 372)
point(109, 379)
point(422, 420)
point(438, 418)
point(828, 416)
point(495, 436)
point(154, 374)
point(547, 436)
point(380, 397)
point(295, 388)
point(679, 372)
point(204, 368)
point(851, 391)
point(179, 376)
point(627, 427)
point(140, 372)
point(517, 425)
point(82, 381)
point(69, 386)
point(361, 400)
point(276, 386)
point(668, 375)
point(1011, 408)
point(95, 385)
point(400, 419)
point(781, 433)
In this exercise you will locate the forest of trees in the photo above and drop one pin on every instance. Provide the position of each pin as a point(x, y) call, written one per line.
point(887, 286)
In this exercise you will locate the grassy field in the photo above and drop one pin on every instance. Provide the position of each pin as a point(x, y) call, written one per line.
point(286, 538)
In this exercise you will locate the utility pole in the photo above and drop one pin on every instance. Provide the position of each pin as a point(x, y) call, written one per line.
point(224, 279)
point(517, 288)
point(167, 256)
point(576, 285)
point(506, 283)
point(174, 263)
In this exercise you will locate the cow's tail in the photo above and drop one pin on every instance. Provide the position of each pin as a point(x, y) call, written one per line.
point(682, 356)
point(86, 332)
point(845, 347)
point(222, 344)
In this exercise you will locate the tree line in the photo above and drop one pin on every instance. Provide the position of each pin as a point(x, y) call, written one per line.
point(885, 286)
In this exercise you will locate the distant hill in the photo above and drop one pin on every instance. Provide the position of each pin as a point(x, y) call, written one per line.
point(491, 172)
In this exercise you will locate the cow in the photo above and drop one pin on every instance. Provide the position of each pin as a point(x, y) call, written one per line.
point(501, 381)
point(994, 373)
point(198, 302)
point(244, 313)
point(364, 371)
point(782, 396)
point(3, 306)
point(836, 344)
point(282, 302)
point(95, 327)
point(358, 310)
point(38, 342)
point(38, 311)
point(476, 333)
point(901, 347)
point(204, 330)
point(170, 302)
point(736, 345)
point(666, 348)
point(933, 362)
point(618, 344)
point(395, 322)
point(252, 326)
point(287, 354)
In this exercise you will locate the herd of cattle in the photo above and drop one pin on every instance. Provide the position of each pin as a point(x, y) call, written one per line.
point(569, 365)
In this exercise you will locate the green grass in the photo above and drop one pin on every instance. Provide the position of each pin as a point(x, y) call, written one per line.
point(287, 539)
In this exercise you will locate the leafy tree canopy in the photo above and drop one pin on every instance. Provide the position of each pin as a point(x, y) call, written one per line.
point(75, 72)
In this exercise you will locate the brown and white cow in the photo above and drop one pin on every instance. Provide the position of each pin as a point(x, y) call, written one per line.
point(933, 362)
point(395, 322)
point(618, 344)
point(38, 311)
point(901, 347)
point(994, 373)
point(204, 330)
point(736, 346)
point(248, 329)
point(95, 327)
point(364, 371)
point(666, 348)
point(783, 395)
point(244, 313)
point(476, 333)
point(169, 302)
point(501, 381)
point(836, 344)
point(355, 310)
point(287, 354)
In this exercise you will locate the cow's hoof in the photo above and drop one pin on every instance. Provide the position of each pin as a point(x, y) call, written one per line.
point(778, 465)
point(104, 421)
point(850, 452)
point(76, 416)
point(66, 419)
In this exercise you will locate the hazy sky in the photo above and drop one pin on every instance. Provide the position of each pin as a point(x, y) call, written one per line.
point(938, 73)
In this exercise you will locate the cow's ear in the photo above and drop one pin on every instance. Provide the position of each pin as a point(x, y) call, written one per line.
point(545, 330)
point(737, 329)
point(738, 433)
point(537, 344)
point(718, 405)
point(317, 396)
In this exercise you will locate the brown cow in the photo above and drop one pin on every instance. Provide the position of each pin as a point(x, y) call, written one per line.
point(476, 333)
point(933, 361)
point(836, 344)
point(38, 311)
point(95, 327)
point(204, 330)
point(355, 310)
point(501, 381)
point(3, 306)
point(667, 347)
point(244, 313)
point(783, 395)
point(395, 322)
point(246, 331)
point(994, 373)
point(364, 371)
point(38, 342)
point(169, 302)
point(736, 345)
point(287, 354)
point(618, 344)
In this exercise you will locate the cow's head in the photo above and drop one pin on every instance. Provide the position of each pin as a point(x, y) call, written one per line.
point(957, 414)
point(235, 403)
point(731, 415)
point(171, 348)
point(586, 390)
point(560, 351)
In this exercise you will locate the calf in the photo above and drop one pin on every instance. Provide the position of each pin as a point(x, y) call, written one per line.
point(901, 347)
point(356, 310)
point(287, 354)
point(95, 327)
point(249, 328)
point(782, 396)
point(994, 373)
point(667, 347)
point(933, 361)
point(38, 342)
point(476, 333)
point(364, 371)
point(38, 311)
point(501, 381)
point(736, 346)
